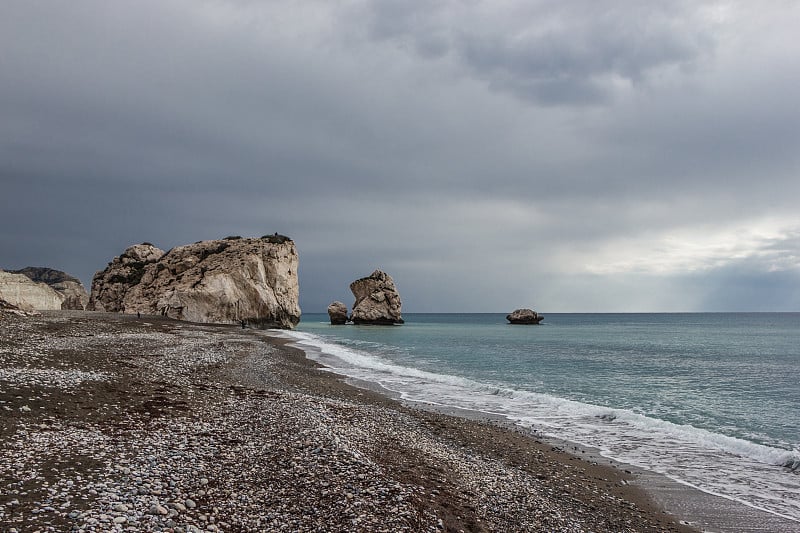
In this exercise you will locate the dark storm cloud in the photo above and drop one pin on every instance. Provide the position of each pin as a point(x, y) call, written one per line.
point(549, 52)
point(487, 155)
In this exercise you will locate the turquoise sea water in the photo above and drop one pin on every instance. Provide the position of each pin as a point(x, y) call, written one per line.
point(711, 400)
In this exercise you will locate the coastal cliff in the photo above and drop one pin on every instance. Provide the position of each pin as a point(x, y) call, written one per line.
point(41, 289)
point(228, 280)
point(75, 295)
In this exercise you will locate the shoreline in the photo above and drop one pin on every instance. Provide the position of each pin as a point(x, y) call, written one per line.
point(157, 425)
point(687, 504)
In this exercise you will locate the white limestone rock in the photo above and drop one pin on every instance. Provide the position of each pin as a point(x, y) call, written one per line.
point(377, 300)
point(219, 281)
point(75, 295)
point(27, 295)
point(110, 285)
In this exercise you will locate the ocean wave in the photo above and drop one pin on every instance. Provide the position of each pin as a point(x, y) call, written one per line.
point(528, 407)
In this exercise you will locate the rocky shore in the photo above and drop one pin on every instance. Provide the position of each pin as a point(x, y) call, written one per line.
point(109, 422)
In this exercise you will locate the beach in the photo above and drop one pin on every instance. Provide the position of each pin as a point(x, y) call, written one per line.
point(112, 422)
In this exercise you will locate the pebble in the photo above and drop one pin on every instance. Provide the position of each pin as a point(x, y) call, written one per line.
point(280, 459)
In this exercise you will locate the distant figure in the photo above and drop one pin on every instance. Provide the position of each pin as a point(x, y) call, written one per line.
point(243, 323)
point(138, 314)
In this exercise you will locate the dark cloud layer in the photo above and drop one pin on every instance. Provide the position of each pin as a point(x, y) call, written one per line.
point(565, 155)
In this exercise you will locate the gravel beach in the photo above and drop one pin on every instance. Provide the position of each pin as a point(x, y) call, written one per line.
point(109, 422)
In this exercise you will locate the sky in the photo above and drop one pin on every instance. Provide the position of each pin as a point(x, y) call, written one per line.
point(566, 156)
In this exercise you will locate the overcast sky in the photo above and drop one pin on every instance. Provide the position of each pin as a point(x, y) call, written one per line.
point(561, 155)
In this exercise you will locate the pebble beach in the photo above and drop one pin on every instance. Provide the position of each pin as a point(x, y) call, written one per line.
point(111, 422)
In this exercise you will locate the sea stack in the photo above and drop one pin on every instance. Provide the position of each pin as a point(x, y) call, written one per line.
point(220, 281)
point(337, 312)
point(377, 300)
point(524, 316)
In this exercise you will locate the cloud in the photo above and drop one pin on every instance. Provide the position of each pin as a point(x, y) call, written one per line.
point(578, 154)
point(546, 52)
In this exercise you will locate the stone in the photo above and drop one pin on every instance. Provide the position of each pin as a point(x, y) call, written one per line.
point(238, 280)
point(337, 312)
point(27, 295)
point(377, 300)
point(524, 316)
point(70, 287)
point(110, 286)
point(158, 509)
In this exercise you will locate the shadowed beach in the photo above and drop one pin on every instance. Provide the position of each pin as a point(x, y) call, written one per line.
point(113, 422)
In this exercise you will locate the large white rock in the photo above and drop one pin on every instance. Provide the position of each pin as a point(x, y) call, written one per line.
point(19, 290)
point(221, 281)
point(377, 300)
point(75, 296)
point(124, 272)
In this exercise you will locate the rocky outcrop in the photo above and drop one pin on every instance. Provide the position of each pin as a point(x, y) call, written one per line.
point(337, 312)
point(220, 281)
point(75, 295)
point(377, 300)
point(111, 285)
point(24, 293)
point(524, 316)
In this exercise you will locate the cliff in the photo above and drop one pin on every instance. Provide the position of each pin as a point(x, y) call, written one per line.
point(27, 295)
point(75, 295)
point(220, 281)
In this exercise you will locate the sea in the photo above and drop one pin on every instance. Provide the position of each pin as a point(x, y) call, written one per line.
point(710, 400)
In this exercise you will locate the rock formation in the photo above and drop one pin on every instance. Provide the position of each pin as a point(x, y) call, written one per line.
point(22, 292)
point(229, 280)
point(124, 272)
point(337, 311)
point(75, 296)
point(524, 316)
point(377, 300)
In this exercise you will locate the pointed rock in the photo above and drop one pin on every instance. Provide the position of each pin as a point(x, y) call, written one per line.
point(377, 300)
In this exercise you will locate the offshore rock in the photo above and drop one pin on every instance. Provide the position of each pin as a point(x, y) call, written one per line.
point(377, 300)
point(75, 295)
point(27, 295)
point(337, 312)
point(524, 316)
point(218, 281)
point(110, 286)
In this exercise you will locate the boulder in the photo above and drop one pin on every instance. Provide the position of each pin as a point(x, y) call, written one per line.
point(75, 295)
point(524, 316)
point(219, 281)
point(337, 311)
point(27, 295)
point(377, 300)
